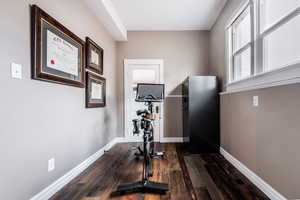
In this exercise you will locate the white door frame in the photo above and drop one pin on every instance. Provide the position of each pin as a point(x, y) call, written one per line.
point(127, 63)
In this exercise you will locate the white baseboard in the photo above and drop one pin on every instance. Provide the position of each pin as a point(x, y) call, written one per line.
point(162, 140)
point(171, 140)
point(65, 179)
point(256, 180)
point(132, 139)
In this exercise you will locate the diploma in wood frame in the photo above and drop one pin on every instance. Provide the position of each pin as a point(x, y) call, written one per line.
point(95, 92)
point(57, 53)
point(94, 56)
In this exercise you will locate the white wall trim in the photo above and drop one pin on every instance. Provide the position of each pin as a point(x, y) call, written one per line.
point(130, 139)
point(236, 13)
point(69, 176)
point(162, 140)
point(107, 14)
point(132, 62)
point(143, 61)
point(256, 180)
point(282, 76)
point(171, 140)
point(174, 96)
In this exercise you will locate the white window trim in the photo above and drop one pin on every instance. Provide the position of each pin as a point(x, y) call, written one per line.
point(229, 41)
point(127, 63)
point(285, 75)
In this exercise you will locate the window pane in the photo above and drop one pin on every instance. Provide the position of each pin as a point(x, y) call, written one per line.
point(143, 76)
point(273, 10)
point(281, 47)
point(242, 64)
point(242, 30)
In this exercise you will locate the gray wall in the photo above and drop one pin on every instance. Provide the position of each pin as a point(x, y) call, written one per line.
point(184, 53)
point(41, 120)
point(264, 138)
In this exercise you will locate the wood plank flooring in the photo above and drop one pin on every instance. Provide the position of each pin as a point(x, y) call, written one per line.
point(190, 177)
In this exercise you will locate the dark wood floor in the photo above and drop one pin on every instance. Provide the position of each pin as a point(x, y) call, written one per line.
point(190, 177)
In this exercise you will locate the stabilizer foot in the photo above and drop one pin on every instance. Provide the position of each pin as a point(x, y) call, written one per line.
point(144, 187)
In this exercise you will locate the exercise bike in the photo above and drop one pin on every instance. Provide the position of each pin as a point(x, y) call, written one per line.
point(147, 93)
point(146, 124)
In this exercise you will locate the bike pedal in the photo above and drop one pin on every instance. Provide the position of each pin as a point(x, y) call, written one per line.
point(160, 153)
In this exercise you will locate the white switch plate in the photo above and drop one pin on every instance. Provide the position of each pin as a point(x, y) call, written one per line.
point(51, 164)
point(16, 70)
point(255, 101)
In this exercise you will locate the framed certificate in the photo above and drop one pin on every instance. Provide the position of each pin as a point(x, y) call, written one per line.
point(57, 53)
point(95, 92)
point(94, 56)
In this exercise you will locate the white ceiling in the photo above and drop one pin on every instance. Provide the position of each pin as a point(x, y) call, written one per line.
point(168, 14)
point(107, 14)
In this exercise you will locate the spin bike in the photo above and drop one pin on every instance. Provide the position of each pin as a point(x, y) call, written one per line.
point(146, 123)
point(147, 152)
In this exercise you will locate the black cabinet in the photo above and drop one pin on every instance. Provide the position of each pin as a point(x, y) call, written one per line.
point(200, 104)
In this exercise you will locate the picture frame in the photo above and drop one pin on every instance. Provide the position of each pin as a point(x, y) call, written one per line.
point(57, 54)
point(94, 56)
point(95, 92)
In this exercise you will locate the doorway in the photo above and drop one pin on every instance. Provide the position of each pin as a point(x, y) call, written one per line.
point(141, 71)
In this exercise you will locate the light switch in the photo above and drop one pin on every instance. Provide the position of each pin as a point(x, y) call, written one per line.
point(255, 101)
point(51, 164)
point(16, 70)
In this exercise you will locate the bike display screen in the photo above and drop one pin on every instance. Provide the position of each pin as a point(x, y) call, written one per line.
point(150, 92)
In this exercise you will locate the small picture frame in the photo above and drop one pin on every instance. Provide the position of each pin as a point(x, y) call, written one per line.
point(94, 56)
point(57, 54)
point(95, 92)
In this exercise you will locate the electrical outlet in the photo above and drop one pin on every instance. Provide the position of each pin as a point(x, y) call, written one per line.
point(16, 71)
point(255, 101)
point(51, 164)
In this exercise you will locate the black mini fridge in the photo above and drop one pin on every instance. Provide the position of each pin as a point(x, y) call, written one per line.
point(200, 104)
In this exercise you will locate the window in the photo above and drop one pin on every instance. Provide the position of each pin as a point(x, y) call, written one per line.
point(282, 46)
point(241, 45)
point(242, 30)
point(271, 11)
point(143, 76)
point(242, 64)
point(280, 29)
point(262, 38)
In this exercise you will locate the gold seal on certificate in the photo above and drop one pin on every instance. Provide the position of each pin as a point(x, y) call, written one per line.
point(57, 53)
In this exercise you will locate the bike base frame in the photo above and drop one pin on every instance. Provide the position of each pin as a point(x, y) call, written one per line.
point(144, 186)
